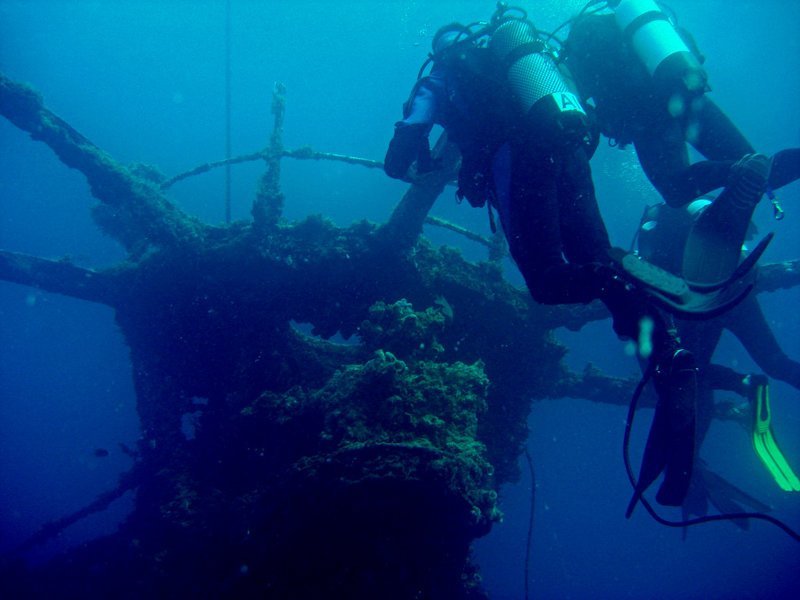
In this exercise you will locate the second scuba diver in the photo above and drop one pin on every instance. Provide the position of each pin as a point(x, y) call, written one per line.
point(661, 238)
point(643, 78)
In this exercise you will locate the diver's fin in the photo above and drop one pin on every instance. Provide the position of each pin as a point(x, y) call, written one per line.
point(650, 275)
point(679, 386)
point(764, 442)
point(726, 497)
point(740, 271)
point(696, 502)
point(670, 443)
point(654, 459)
point(673, 294)
point(709, 487)
point(714, 245)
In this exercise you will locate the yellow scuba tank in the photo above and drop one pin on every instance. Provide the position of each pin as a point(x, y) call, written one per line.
point(539, 89)
point(660, 47)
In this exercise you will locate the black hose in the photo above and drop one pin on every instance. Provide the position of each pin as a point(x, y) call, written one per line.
point(689, 522)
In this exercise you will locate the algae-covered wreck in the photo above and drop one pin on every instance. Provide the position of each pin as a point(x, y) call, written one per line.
point(317, 469)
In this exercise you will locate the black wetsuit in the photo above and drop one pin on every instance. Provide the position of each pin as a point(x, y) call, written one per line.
point(631, 109)
point(543, 191)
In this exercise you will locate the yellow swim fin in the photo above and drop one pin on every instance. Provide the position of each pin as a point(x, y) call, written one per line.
point(764, 440)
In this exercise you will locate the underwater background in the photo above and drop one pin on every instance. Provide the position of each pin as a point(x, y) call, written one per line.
point(145, 81)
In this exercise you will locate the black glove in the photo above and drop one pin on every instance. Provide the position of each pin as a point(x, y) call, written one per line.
point(410, 142)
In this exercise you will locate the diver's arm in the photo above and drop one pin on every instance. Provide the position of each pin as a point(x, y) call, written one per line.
point(410, 141)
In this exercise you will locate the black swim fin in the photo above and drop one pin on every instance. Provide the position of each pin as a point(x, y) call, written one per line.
point(670, 444)
point(696, 502)
point(709, 487)
point(675, 295)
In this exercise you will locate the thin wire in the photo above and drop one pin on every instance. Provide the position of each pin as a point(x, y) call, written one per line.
point(227, 110)
point(689, 522)
point(530, 523)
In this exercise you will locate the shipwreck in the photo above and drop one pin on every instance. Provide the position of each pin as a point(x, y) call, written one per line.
point(318, 468)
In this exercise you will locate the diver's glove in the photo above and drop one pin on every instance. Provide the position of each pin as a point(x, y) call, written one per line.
point(409, 144)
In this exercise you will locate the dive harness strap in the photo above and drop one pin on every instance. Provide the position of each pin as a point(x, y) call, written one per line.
point(764, 440)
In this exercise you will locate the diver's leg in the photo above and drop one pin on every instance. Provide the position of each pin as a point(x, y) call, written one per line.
point(527, 200)
point(719, 377)
point(785, 168)
point(583, 231)
point(664, 158)
point(718, 139)
point(713, 134)
point(750, 326)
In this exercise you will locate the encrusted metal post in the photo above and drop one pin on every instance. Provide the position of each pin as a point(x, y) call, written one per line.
point(268, 205)
point(498, 247)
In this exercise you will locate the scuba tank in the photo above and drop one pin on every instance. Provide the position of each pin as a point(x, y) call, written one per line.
point(660, 47)
point(540, 91)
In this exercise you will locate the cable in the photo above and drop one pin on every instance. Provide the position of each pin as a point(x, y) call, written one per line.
point(530, 523)
point(689, 522)
point(227, 110)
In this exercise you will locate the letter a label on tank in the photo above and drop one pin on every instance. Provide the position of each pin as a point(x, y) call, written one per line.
point(567, 101)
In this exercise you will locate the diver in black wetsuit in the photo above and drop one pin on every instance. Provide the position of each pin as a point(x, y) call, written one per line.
point(653, 96)
point(523, 138)
point(644, 78)
point(661, 239)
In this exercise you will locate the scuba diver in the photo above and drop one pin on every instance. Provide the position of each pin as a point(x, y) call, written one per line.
point(661, 239)
point(500, 96)
point(643, 78)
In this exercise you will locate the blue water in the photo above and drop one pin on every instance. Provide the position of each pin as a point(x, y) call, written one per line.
point(145, 81)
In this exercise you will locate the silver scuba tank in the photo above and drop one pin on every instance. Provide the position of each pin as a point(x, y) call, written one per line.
point(660, 47)
point(539, 88)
